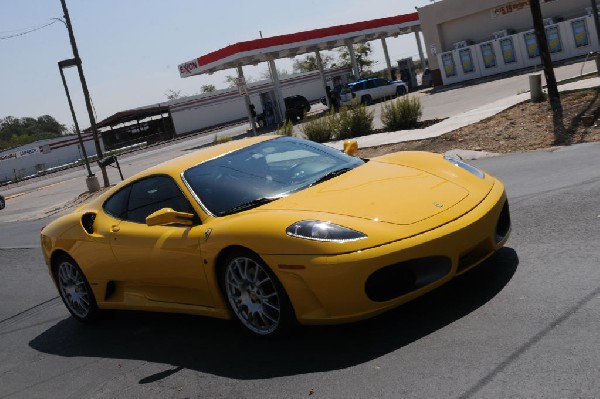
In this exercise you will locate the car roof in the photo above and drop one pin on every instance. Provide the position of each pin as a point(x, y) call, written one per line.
point(362, 80)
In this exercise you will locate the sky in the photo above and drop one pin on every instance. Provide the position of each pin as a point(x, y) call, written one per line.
point(130, 49)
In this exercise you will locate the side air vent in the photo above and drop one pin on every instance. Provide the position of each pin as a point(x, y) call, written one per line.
point(87, 221)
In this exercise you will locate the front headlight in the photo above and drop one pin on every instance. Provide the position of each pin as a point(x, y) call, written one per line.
point(323, 231)
point(465, 166)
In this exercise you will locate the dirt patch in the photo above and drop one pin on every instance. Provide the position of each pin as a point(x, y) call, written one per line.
point(74, 203)
point(523, 127)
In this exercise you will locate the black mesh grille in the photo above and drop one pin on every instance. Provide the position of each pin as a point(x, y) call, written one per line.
point(503, 226)
point(401, 278)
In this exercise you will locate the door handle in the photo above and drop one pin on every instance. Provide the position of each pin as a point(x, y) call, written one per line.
point(115, 228)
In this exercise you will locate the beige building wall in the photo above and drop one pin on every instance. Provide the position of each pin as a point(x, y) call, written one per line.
point(449, 21)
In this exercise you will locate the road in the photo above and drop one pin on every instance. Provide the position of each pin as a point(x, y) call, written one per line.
point(525, 324)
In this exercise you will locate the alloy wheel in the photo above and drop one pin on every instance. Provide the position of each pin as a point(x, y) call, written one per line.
point(253, 295)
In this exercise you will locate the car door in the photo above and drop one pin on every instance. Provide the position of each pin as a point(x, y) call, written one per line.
point(160, 263)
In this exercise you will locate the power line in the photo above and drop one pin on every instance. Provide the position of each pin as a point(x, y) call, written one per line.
point(28, 31)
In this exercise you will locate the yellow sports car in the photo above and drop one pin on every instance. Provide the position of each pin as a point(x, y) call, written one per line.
point(272, 231)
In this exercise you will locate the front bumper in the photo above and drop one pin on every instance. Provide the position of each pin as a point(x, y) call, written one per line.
point(335, 288)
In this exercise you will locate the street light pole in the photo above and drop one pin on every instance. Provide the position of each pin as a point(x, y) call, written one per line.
point(91, 180)
point(86, 93)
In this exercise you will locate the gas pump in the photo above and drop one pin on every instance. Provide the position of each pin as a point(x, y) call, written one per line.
point(269, 115)
point(406, 68)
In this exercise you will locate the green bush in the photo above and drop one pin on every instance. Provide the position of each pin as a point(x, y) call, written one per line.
point(286, 129)
point(402, 113)
point(353, 121)
point(220, 140)
point(320, 129)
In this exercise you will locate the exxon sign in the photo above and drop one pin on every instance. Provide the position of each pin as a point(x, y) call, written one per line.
point(187, 68)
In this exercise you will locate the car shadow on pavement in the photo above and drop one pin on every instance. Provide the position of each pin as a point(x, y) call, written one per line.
point(217, 347)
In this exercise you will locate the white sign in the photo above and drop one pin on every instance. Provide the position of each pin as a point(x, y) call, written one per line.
point(19, 154)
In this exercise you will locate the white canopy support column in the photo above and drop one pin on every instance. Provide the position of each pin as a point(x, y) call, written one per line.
point(322, 72)
point(420, 47)
point(280, 108)
point(353, 60)
point(387, 58)
point(242, 83)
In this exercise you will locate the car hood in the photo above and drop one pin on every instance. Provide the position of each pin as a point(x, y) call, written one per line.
point(383, 192)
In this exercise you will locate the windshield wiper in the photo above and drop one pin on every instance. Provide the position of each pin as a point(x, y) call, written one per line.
point(248, 205)
point(330, 175)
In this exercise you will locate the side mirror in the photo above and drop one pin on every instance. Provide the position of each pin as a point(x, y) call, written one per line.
point(166, 216)
point(350, 147)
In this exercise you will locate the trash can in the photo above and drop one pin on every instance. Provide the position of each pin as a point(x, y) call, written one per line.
point(535, 87)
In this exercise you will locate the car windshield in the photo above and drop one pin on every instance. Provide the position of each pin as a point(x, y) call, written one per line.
point(264, 172)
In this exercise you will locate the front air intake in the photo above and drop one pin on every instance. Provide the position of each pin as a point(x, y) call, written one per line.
point(402, 278)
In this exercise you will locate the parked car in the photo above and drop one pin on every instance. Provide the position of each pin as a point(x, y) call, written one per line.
point(426, 80)
point(296, 107)
point(2, 202)
point(274, 230)
point(369, 90)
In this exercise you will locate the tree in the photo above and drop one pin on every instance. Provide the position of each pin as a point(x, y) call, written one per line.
point(20, 131)
point(208, 88)
point(232, 80)
point(266, 74)
point(560, 136)
point(173, 94)
point(309, 63)
point(362, 52)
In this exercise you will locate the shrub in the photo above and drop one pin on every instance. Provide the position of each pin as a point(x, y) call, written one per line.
point(402, 113)
point(286, 129)
point(320, 129)
point(223, 139)
point(353, 121)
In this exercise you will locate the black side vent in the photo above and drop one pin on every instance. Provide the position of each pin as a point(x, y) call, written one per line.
point(87, 221)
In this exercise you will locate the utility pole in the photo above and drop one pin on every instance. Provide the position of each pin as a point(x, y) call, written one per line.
point(553, 95)
point(86, 93)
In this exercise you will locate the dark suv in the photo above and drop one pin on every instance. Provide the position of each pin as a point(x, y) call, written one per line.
point(296, 107)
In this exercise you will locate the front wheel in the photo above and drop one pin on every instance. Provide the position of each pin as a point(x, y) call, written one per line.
point(255, 295)
point(400, 91)
point(75, 290)
point(366, 100)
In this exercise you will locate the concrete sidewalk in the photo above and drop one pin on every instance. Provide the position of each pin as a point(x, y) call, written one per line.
point(463, 119)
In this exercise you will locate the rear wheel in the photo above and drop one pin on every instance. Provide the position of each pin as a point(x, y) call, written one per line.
point(255, 295)
point(366, 100)
point(74, 289)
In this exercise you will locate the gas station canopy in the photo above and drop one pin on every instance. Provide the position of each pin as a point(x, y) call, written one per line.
point(255, 51)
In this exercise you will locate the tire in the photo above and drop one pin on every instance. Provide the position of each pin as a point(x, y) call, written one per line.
point(2, 203)
point(400, 91)
point(74, 289)
point(263, 309)
point(366, 100)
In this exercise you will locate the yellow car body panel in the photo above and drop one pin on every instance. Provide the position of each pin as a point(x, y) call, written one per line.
point(409, 206)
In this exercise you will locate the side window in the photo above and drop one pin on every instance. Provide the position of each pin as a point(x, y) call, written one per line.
point(143, 197)
point(370, 84)
point(153, 193)
point(116, 205)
